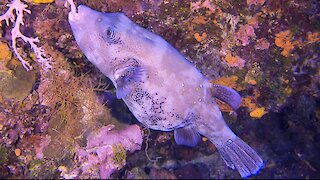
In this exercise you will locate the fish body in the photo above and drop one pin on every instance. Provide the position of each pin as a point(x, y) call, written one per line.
point(162, 89)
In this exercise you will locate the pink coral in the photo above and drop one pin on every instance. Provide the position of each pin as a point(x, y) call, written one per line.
point(262, 44)
point(255, 2)
point(254, 21)
point(99, 154)
point(206, 4)
point(245, 33)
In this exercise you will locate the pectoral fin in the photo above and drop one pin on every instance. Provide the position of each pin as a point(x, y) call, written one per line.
point(125, 79)
point(227, 95)
point(186, 136)
point(122, 92)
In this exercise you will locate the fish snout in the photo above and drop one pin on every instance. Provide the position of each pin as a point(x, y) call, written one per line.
point(84, 9)
point(83, 12)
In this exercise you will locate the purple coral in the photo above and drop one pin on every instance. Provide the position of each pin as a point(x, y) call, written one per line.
point(99, 153)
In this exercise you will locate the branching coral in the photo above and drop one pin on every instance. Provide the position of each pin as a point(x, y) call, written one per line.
point(15, 15)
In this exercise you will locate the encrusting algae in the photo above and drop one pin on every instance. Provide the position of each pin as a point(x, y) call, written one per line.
point(41, 1)
point(17, 152)
point(5, 56)
point(234, 61)
point(257, 113)
point(284, 40)
point(199, 37)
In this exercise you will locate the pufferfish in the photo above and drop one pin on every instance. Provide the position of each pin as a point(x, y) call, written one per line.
point(162, 89)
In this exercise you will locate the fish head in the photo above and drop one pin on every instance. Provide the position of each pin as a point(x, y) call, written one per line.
point(101, 36)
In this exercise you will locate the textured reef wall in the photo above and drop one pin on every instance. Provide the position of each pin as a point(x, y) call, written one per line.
point(267, 50)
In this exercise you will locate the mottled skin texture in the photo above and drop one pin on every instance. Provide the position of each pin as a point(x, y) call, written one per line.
point(161, 87)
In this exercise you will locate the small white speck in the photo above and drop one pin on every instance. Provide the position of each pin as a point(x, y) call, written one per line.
point(200, 85)
point(182, 84)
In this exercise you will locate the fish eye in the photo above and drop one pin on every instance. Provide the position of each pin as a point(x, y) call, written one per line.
point(111, 36)
point(108, 32)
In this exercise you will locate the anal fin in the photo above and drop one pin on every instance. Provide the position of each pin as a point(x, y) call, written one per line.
point(186, 136)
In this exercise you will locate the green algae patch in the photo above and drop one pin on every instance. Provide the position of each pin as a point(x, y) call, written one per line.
point(18, 83)
point(120, 154)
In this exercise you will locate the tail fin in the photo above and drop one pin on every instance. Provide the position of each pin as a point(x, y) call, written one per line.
point(237, 154)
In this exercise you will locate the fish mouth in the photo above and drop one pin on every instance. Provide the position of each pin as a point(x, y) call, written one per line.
point(73, 16)
point(78, 13)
